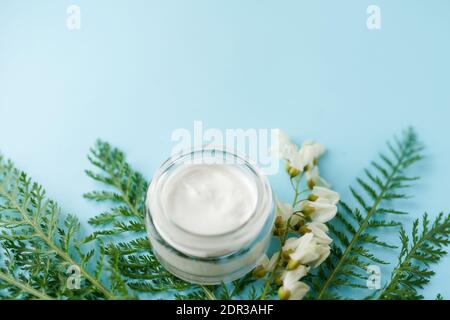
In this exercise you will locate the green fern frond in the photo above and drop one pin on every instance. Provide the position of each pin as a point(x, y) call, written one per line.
point(132, 264)
point(382, 184)
point(423, 248)
point(38, 245)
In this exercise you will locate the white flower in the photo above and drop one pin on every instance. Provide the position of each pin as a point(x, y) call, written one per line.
point(314, 179)
point(297, 274)
point(292, 289)
point(311, 152)
point(318, 211)
point(284, 148)
point(283, 210)
point(283, 214)
point(303, 249)
point(306, 250)
point(296, 161)
point(299, 159)
point(321, 205)
point(288, 151)
point(324, 252)
point(325, 195)
point(267, 264)
point(319, 230)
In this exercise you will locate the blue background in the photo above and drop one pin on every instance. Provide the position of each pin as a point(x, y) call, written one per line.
point(137, 70)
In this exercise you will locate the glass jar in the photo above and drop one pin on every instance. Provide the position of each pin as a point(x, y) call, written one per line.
point(204, 258)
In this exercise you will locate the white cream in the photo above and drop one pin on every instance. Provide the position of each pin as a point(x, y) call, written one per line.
point(209, 199)
point(209, 215)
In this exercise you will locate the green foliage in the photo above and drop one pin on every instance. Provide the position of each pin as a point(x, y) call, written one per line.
point(418, 252)
point(38, 245)
point(244, 287)
point(132, 266)
point(383, 183)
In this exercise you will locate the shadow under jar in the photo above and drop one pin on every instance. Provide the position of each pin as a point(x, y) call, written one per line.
point(209, 215)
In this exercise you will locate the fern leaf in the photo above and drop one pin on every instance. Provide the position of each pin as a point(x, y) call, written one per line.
point(38, 244)
point(418, 252)
point(381, 186)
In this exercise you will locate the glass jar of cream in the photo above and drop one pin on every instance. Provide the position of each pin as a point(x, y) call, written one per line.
point(209, 215)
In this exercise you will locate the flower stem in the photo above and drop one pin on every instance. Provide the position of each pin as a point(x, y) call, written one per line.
point(282, 241)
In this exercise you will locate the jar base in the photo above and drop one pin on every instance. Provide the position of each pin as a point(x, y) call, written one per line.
point(205, 280)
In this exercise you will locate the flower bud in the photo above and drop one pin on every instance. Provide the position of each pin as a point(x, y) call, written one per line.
point(259, 272)
point(298, 225)
point(292, 265)
point(311, 184)
point(304, 230)
point(278, 231)
point(308, 210)
point(293, 172)
point(283, 294)
point(286, 254)
point(312, 197)
point(279, 223)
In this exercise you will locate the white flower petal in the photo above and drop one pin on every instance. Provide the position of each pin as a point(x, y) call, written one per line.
point(305, 251)
point(283, 209)
point(273, 261)
point(297, 161)
point(324, 252)
point(319, 230)
point(313, 174)
point(291, 277)
point(326, 195)
point(282, 147)
point(307, 156)
point(309, 250)
point(263, 262)
point(319, 225)
point(291, 244)
point(311, 151)
point(298, 291)
point(323, 212)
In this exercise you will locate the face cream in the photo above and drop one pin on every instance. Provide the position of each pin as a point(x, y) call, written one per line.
point(209, 215)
